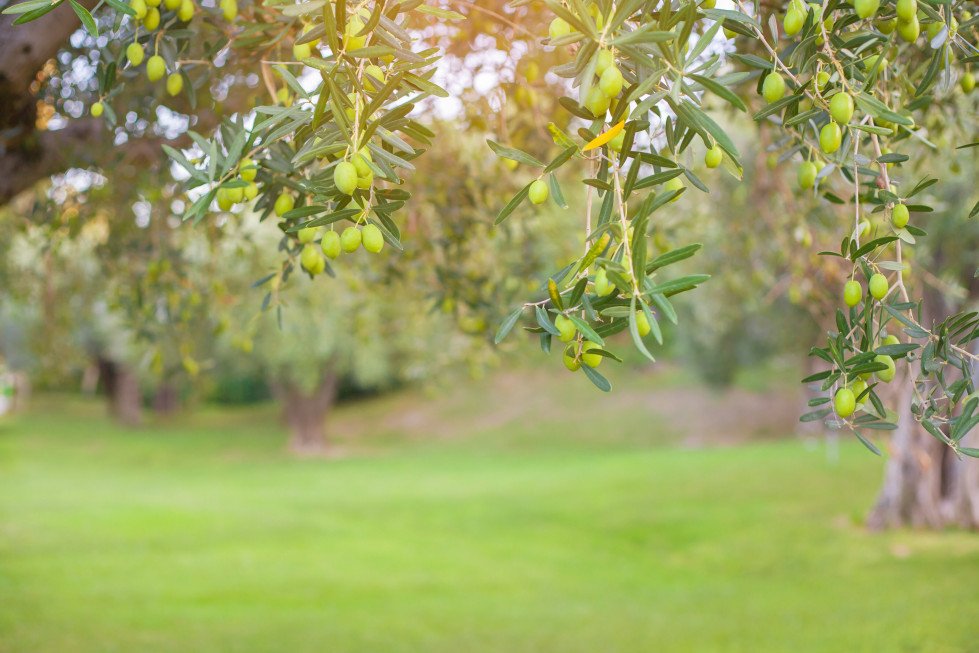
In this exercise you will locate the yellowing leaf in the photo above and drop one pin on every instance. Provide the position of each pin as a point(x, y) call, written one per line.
point(602, 139)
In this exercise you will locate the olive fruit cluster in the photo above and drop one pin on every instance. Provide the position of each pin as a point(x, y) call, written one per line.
point(332, 244)
point(228, 196)
point(609, 84)
point(348, 176)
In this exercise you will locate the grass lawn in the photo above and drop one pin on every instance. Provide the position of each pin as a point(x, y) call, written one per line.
point(201, 535)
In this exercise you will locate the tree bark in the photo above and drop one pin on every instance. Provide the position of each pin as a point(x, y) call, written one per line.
point(123, 391)
point(305, 414)
point(166, 399)
point(925, 485)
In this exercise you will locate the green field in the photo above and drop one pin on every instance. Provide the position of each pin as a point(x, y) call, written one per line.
point(200, 534)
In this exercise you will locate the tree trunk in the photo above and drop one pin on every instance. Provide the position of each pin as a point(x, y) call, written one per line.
point(925, 485)
point(305, 414)
point(166, 399)
point(123, 390)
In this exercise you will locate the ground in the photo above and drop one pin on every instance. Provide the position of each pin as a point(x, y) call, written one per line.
point(533, 528)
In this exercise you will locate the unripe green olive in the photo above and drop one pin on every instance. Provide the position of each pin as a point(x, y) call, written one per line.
point(374, 77)
point(364, 182)
point(591, 360)
point(793, 21)
point(822, 79)
point(156, 67)
point(967, 83)
point(330, 244)
point(891, 340)
point(312, 259)
point(615, 145)
point(877, 286)
point(713, 157)
point(224, 202)
point(236, 195)
point(909, 31)
point(864, 228)
point(350, 39)
point(247, 169)
point(134, 52)
point(907, 10)
point(171, 5)
point(307, 235)
point(566, 327)
point(97, 109)
point(558, 28)
point(886, 26)
point(152, 19)
point(866, 8)
point(350, 239)
point(708, 4)
point(841, 107)
point(597, 102)
point(844, 403)
point(642, 324)
point(538, 192)
point(773, 88)
point(603, 61)
point(251, 191)
point(229, 9)
point(283, 204)
point(674, 184)
point(603, 286)
point(852, 293)
point(152, 3)
point(830, 137)
point(186, 11)
point(570, 359)
point(807, 175)
point(611, 82)
point(345, 177)
point(301, 51)
point(139, 6)
point(886, 375)
point(899, 216)
point(858, 386)
point(175, 83)
point(373, 239)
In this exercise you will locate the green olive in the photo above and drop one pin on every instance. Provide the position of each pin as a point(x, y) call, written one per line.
point(156, 68)
point(886, 375)
point(97, 109)
point(807, 175)
point(844, 403)
point(611, 81)
point(330, 244)
point(345, 177)
point(538, 192)
point(591, 360)
point(877, 286)
point(373, 239)
point(134, 52)
point(852, 293)
point(773, 88)
point(571, 361)
point(713, 157)
point(350, 239)
point(830, 137)
point(793, 21)
point(866, 8)
point(283, 204)
point(899, 216)
point(841, 107)
point(566, 327)
point(175, 83)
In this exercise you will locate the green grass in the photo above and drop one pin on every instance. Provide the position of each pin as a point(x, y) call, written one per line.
point(202, 535)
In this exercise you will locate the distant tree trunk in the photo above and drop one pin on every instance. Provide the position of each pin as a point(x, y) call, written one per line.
point(925, 485)
point(166, 399)
point(122, 388)
point(305, 414)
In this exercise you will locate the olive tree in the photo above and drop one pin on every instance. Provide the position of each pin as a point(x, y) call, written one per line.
point(339, 89)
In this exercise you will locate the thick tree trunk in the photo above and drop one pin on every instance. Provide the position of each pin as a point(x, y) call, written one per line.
point(123, 390)
point(305, 414)
point(166, 399)
point(925, 485)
